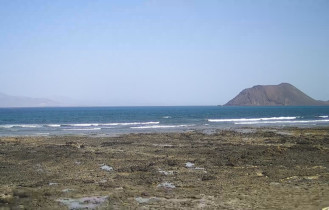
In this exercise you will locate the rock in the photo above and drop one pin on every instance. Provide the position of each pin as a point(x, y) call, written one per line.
point(274, 183)
point(167, 185)
point(6, 198)
point(83, 203)
point(21, 207)
point(144, 194)
point(311, 177)
point(21, 193)
point(259, 173)
point(67, 190)
point(166, 172)
point(171, 162)
point(207, 177)
point(189, 165)
point(141, 200)
point(106, 168)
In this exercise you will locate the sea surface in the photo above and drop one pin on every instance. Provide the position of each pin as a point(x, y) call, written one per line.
point(122, 120)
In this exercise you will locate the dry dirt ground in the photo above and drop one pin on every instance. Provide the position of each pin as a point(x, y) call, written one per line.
point(257, 168)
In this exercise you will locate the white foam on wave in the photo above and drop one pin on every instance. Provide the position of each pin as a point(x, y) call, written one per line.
point(53, 125)
point(81, 129)
point(7, 126)
point(166, 117)
point(21, 126)
point(28, 126)
point(281, 122)
point(83, 124)
point(324, 116)
point(131, 123)
point(77, 126)
point(102, 124)
point(252, 119)
point(158, 126)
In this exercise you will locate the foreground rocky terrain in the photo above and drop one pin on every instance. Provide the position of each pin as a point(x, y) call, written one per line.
point(250, 168)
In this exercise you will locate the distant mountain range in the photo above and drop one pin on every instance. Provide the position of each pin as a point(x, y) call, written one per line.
point(18, 101)
point(283, 94)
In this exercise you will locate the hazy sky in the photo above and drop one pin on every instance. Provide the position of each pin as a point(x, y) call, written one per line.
point(169, 52)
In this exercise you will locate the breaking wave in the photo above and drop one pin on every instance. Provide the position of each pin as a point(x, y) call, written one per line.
point(281, 122)
point(324, 116)
point(81, 129)
point(21, 126)
point(75, 125)
point(83, 124)
point(131, 123)
point(270, 120)
point(54, 125)
point(252, 119)
point(166, 117)
point(158, 126)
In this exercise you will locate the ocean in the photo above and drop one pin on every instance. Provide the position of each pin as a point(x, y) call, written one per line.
point(122, 120)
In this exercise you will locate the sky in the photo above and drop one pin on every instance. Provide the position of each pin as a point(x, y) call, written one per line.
point(161, 52)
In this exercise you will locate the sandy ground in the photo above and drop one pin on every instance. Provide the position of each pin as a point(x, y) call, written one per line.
point(262, 168)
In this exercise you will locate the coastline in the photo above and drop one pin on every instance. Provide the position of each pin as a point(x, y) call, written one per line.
point(108, 121)
point(240, 168)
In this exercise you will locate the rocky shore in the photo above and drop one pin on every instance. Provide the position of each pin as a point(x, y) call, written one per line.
point(251, 168)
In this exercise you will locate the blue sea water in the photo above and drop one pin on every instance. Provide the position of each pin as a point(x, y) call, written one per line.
point(119, 120)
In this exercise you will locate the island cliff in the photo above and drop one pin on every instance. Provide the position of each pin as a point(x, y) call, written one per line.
point(283, 94)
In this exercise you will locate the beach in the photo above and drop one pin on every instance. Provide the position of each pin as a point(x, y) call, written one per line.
point(241, 168)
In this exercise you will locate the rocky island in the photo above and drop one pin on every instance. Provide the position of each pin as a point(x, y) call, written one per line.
point(283, 94)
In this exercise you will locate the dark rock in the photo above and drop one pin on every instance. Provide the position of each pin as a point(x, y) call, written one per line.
point(171, 162)
point(207, 177)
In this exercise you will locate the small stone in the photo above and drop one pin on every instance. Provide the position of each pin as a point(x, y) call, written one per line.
point(6, 198)
point(141, 200)
point(107, 168)
point(259, 173)
point(84, 203)
point(67, 190)
point(167, 185)
point(166, 172)
point(189, 165)
point(144, 194)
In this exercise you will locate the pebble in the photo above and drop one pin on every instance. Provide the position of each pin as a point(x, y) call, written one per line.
point(6, 198)
point(189, 165)
point(167, 185)
point(67, 190)
point(166, 172)
point(107, 168)
point(141, 200)
point(83, 203)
